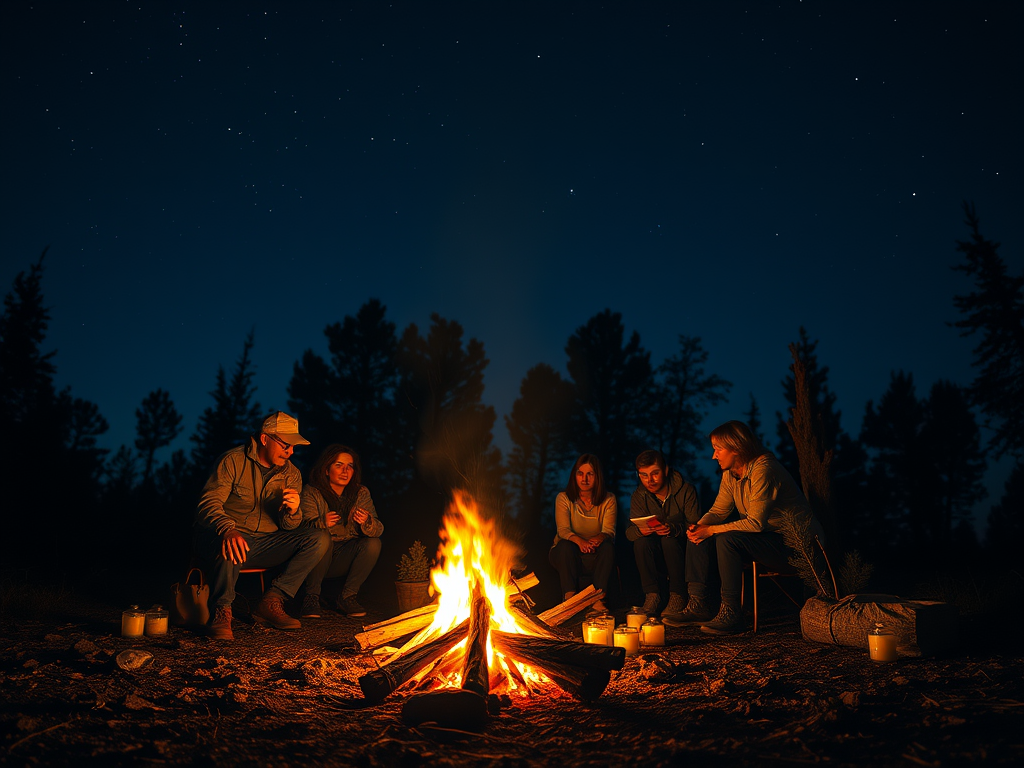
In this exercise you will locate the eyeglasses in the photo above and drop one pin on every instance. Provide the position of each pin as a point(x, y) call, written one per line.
point(285, 446)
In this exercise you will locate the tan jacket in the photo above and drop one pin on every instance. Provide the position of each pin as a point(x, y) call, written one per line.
point(236, 495)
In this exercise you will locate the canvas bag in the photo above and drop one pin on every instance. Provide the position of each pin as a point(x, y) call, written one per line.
point(190, 601)
point(922, 627)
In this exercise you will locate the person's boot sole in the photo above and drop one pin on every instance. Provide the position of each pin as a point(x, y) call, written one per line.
point(269, 623)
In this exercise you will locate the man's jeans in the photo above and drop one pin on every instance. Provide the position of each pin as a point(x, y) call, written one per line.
point(736, 549)
point(684, 561)
point(356, 557)
point(571, 563)
point(300, 550)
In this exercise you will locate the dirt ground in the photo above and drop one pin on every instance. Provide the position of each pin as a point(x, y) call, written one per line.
point(277, 698)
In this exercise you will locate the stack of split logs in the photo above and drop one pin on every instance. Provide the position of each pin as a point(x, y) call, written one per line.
point(580, 669)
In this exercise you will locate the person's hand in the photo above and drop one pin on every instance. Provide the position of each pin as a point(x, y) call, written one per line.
point(233, 546)
point(596, 541)
point(585, 545)
point(659, 528)
point(644, 528)
point(697, 533)
point(290, 502)
point(331, 519)
point(358, 516)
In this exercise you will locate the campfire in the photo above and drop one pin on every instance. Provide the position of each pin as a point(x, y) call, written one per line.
point(480, 641)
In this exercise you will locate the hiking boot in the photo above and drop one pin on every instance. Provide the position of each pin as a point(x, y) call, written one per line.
point(220, 627)
point(270, 612)
point(651, 603)
point(674, 609)
point(350, 606)
point(697, 612)
point(311, 607)
point(729, 621)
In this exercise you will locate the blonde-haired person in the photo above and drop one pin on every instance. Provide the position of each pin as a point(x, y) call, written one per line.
point(757, 488)
point(585, 529)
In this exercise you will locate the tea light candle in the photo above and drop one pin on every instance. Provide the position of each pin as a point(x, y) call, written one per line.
point(157, 620)
point(133, 622)
point(636, 618)
point(652, 633)
point(882, 644)
point(628, 638)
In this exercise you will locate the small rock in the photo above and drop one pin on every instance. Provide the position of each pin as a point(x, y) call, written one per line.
point(134, 659)
point(30, 664)
point(87, 647)
point(850, 699)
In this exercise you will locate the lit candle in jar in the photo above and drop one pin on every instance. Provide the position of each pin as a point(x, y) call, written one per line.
point(636, 617)
point(156, 621)
point(628, 638)
point(882, 644)
point(652, 632)
point(133, 622)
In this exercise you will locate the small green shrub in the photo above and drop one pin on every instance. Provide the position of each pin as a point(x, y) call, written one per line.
point(414, 565)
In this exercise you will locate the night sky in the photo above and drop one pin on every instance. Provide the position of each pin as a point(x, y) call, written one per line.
point(724, 170)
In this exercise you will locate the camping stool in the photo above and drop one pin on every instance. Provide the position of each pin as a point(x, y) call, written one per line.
point(260, 571)
point(762, 572)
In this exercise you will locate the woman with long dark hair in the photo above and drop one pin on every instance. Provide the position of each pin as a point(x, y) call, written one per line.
point(585, 523)
point(335, 498)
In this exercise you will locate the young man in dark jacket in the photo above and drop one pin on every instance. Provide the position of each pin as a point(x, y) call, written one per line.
point(660, 510)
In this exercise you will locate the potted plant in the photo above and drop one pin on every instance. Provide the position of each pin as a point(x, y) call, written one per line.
point(413, 583)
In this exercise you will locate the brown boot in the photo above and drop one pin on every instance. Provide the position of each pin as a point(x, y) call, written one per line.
point(270, 612)
point(220, 627)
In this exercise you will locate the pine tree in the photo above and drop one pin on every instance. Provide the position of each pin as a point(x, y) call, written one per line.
point(157, 424)
point(354, 399)
point(442, 385)
point(683, 398)
point(614, 395)
point(46, 423)
point(996, 310)
point(539, 426)
point(233, 417)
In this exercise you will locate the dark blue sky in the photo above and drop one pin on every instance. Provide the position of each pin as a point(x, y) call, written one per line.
point(723, 170)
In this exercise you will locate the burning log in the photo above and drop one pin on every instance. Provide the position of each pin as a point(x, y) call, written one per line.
point(561, 651)
point(377, 685)
point(569, 608)
point(536, 626)
point(383, 632)
point(586, 683)
point(475, 674)
point(465, 708)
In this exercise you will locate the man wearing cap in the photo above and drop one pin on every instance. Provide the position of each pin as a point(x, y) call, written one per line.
point(249, 517)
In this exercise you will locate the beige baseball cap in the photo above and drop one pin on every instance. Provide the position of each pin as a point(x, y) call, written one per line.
point(285, 427)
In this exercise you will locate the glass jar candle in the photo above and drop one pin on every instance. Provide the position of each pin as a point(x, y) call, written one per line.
point(133, 622)
point(157, 620)
point(652, 632)
point(629, 638)
point(607, 623)
point(882, 644)
point(636, 617)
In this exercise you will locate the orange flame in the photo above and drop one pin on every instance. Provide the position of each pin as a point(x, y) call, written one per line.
point(473, 552)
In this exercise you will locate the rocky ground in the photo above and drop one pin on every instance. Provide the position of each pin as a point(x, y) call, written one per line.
point(277, 698)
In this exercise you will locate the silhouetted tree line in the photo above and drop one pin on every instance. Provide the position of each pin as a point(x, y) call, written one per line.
point(412, 405)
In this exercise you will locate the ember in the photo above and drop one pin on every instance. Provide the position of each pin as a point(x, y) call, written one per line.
point(476, 643)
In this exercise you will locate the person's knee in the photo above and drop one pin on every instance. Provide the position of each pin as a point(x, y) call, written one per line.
point(370, 548)
point(322, 541)
point(645, 545)
point(730, 542)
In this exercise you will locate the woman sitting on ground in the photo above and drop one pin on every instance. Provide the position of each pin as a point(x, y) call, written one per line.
point(334, 498)
point(585, 524)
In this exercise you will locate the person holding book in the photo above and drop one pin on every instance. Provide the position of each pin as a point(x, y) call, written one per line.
point(661, 508)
